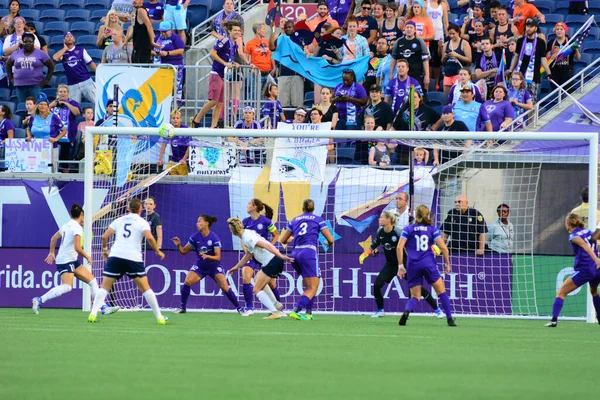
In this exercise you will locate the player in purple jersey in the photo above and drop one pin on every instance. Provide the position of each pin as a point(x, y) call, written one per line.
point(270, 259)
point(586, 266)
point(419, 239)
point(207, 246)
point(262, 225)
point(305, 229)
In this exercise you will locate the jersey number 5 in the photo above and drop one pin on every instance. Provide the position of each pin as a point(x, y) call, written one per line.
point(127, 231)
point(422, 242)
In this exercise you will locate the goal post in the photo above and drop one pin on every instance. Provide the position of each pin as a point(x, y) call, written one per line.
point(367, 186)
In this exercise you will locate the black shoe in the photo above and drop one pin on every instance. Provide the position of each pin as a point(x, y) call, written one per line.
point(403, 318)
point(180, 311)
point(451, 322)
point(552, 324)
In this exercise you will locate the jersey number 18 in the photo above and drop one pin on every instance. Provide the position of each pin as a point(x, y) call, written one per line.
point(422, 242)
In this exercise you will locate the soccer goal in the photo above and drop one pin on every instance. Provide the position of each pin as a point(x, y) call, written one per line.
point(522, 185)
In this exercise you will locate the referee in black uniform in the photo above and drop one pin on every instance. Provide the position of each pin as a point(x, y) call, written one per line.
point(466, 228)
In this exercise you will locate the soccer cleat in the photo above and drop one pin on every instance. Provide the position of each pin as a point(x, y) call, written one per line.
point(295, 315)
point(307, 317)
point(552, 324)
point(106, 310)
point(36, 302)
point(275, 315)
point(162, 320)
point(403, 318)
point(180, 311)
point(92, 318)
point(439, 313)
point(378, 314)
point(248, 312)
point(451, 322)
point(283, 313)
point(278, 306)
point(240, 310)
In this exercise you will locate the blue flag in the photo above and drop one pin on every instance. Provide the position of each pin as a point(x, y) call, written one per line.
point(316, 69)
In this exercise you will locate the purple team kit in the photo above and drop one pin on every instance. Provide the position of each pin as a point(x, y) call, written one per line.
point(306, 228)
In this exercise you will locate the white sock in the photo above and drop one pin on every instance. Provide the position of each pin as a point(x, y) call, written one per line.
point(98, 301)
point(269, 292)
point(55, 292)
point(94, 287)
point(152, 302)
point(264, 298)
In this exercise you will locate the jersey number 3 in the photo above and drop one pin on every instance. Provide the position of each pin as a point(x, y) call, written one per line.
point(127, 231)
point(422, 242)
point(303, 228)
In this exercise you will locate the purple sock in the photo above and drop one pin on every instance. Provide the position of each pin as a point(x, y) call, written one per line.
point(302, 303)
point(232, 298)
point(309, 306)
point(185, 294)
point(410, 304)
point(248, 295)
point(557, 307)
point(596, 300)
point(275, 291)
point(445, 304)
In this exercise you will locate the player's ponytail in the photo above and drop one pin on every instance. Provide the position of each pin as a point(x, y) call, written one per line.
point(423, 215)
point(76, 211)
point(260, 206)
point(391, 216)
point(236, 226)
point(308, 205)
point(574, 221)
point(209, 219)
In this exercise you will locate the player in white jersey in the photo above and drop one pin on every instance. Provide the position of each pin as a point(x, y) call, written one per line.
point(125, 258)
point(269, 258)
point(67, 262)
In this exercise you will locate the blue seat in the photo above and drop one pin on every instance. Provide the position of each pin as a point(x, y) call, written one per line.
point(345, 155)
point(77, 15)
point(571, 18)
point(543, 29)
point(309, 96)
point(45, 37)
point(68, 5)
point(452, 17)
point(4, 4)
point(199, 14)
point(82, 28)
point(88, 42)
point(50, 92)
point(9, 104)
point(96, 55)
point(56, 28)
point(52, 82)
point(594, 10)
point(52, 15)
point(437, 98)
point(591, 44)
point(56, 43)
point(4, 94)
point(26, 4)
point(20, 133)
point(97, 15)
point(46, 4)
point(16, 120)
point(554, 18)
point(30, 14)
point(98, 25)
point(545, 6)
point(93, 5)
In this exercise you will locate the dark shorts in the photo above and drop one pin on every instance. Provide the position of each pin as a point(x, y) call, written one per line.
point(305, 262)
point(68, 267)
point(582, 276)
point(116, 267)
point(274, 268)
point(142, 56)
point(211, 271)
point(415, 274)
point(436, 60)
point(388, 272)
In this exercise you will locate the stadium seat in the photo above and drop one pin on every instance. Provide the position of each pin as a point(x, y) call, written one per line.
point(345, 155)
point(20, 133)
point(576, 19)
point(52, 82)
point(69, 5)
point(4, 4)
point(82, 28)
point(97, 15)
point(46, 4)
point(554, 18)
point(50, 92)
point(4, 94)
point(543, 29)
point(9, 104)
point(52, 15)
point(309, 96)
point(77, 15)
point(198, 15)
point(56, 43)
point(437, 98)
point(594, 33)
point(550, 37)
point(84, 104)
point(26, 4)
point(30, 14)
point(56, 28)
point(586, 58)
point(452, 17)
point(16, 120)
point(579, 66)
point(593, 11)
point(62, 80)
point(589, 46)
point(545, 6)
point(96, 55)
point(215, 7)
point(88, 42)
point(46, 37)
point(94, 5)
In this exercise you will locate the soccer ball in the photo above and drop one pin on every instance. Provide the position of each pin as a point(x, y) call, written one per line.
point(166, 131)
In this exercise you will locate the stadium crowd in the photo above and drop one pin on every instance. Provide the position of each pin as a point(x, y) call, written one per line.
point(474, 64)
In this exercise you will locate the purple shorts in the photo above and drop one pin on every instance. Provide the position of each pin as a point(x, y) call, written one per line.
point(415, 274)
point(585, 275)
point(255, 265)
point(211, 271)
point(305, 262)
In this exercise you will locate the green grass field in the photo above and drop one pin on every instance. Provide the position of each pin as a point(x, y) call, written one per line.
point(58, 355)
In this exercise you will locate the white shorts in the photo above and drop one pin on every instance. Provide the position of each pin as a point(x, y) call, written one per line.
point(176, 17)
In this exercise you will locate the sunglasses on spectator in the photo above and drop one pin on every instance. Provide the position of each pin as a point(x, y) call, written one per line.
point(366, 8)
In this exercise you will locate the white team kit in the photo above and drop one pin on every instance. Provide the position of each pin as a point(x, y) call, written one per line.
point(250, 240)
point(129, 232)
point(66, 252)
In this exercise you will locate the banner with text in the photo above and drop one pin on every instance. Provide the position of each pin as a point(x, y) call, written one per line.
point(32, 156)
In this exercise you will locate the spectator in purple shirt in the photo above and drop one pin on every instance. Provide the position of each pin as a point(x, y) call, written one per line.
point(46, 125)
point(499, 109)
point(155, 10)
point(75, 60)
point(67, 110)
point(350, 98)
point(171, 52)
point(180, 148)
point(7, 128)
point(28, 63)
point(223, 55)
